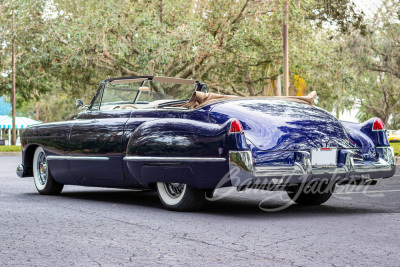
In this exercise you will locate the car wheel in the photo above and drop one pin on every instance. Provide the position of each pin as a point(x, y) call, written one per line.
point(44, 182)
point(180, 197)
point(311, 194)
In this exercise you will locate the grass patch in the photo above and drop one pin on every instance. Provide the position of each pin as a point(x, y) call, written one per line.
point(10, 148)
point(396, 147)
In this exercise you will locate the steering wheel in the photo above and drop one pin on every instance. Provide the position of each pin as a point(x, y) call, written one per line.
point(128, 106)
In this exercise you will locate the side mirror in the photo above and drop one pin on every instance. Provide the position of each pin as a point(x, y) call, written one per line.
point(79, 104)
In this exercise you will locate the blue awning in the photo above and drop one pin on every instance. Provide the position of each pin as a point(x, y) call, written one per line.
point(20, 122)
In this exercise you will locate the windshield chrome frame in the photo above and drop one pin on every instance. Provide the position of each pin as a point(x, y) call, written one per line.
point(100, 90)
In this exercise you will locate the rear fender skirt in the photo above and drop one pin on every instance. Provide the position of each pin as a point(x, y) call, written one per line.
point(171, 173)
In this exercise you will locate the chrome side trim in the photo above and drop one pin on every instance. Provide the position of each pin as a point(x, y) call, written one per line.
point(173, 159)
point(77, 158)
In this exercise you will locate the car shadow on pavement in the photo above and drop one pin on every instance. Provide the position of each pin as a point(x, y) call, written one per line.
point(231, 206)
point(127, 197)
point(273, 209)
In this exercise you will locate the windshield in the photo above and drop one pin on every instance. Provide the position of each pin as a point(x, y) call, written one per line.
point(140, 93)
point(165, 91)
point(120, 93)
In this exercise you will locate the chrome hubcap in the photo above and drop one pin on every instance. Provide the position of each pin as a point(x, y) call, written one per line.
point(174, 190)
point(42, 168)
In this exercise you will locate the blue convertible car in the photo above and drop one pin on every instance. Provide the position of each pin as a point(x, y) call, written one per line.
point(173, 136)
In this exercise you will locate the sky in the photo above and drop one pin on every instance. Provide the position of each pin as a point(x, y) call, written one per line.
point(368, 6)
point(5, 107)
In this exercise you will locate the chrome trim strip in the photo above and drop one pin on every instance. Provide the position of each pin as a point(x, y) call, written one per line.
point(173, 159)
point(77, 158)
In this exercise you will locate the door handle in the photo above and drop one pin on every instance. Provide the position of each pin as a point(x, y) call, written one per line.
point(94, 121)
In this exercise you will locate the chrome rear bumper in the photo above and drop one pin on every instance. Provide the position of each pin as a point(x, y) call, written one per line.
point(243, 172)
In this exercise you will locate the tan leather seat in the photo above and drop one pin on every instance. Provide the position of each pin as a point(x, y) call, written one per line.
point(199, 99)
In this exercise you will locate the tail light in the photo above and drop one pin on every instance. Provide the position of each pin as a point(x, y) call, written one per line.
point(236, 127)
point(378, 125)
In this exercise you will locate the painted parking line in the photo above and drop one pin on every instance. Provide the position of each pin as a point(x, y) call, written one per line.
point(365, 192)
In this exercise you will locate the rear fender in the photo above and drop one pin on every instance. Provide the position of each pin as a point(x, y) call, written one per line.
point(177, 139)
point(363, 136)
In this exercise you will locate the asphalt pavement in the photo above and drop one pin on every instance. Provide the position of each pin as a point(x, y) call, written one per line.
point(107, 227)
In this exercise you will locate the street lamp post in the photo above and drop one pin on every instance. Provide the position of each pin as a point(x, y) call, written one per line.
point(13, 131)
point(286, 49)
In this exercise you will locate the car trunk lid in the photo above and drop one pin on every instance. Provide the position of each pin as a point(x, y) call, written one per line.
point(274, 124)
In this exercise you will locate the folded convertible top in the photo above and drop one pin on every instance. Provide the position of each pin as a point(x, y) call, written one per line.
point(199, 99)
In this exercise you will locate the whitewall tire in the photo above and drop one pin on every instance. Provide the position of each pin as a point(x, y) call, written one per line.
point(44, 182)
point(180, 197)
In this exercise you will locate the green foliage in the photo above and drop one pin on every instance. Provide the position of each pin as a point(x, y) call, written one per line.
point(375, 58)
point(65, 48)
point(396, 147)
point(342, 13)
point(10, 149)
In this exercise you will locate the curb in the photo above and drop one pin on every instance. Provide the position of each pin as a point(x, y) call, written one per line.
point(10, 154)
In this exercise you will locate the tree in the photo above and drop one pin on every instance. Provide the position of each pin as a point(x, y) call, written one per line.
point(234, 46)
point(377, 60)
point(28, 38)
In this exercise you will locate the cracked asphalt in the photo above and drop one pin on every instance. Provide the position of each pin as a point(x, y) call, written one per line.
point(106, 227)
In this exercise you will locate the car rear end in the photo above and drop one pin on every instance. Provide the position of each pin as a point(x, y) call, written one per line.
point(280, 142)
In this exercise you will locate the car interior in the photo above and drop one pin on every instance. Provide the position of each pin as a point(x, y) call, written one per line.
point(145, 93)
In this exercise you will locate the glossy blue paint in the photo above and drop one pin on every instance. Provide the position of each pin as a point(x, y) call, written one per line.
point(54, 139)
point(275, 125)
point(94, 134)
point(274, 131)
point(378, 137)
point(362, 135)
